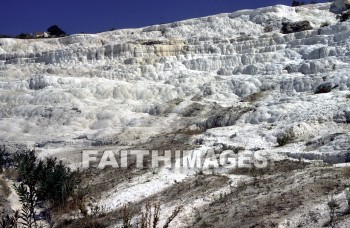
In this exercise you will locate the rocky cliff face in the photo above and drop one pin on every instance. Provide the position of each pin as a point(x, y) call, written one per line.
point(233, 74)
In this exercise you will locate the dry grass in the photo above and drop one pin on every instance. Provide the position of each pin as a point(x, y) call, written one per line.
point(83, 223)
point(267, 199)
point(76, 202)
point(254, 97)
point(273, 194)
point(346, 172)
point(283, 166)
point(11, 174)
point(149, 217)
point(5, 187)
point(179, 140)
point(191, 188)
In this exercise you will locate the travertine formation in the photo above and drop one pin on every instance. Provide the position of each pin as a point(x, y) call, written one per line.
point(234, 79)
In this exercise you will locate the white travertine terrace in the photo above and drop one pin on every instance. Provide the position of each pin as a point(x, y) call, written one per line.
point(232, 74)
point(117, 86)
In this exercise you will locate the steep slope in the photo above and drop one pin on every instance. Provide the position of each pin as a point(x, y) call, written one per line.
point(226, 81)
point(94, 86)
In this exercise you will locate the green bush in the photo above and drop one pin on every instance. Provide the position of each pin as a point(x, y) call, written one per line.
point(23, 36)
point(30, 171)
point(51, 180)
point(56, 31)
point(298, 3)
point(10, 221)
point(42, 181)
point(5, 159)
point(59, 178)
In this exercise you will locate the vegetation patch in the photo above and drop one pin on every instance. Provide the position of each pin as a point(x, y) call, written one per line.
point(263, 201)
point(283, 166)
point(49, 184)
point(285, 137)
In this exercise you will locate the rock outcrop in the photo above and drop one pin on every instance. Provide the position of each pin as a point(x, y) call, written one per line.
point(288, 27)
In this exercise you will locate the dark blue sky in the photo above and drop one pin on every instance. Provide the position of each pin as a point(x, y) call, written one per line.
point(74, 16)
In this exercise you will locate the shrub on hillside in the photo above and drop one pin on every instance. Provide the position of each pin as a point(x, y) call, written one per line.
point(51, 181)
point(42, 181)
point(5, 36)
point(344, 16)
point(60, 178)
point(56, 31)
point(24, 36)
point(298, 3)
point(5, 159)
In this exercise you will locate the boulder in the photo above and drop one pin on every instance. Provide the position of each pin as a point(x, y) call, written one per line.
point(342, 116)
point(344, 16)
point(223, 117)
point(291, 27)
point(325, 87)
